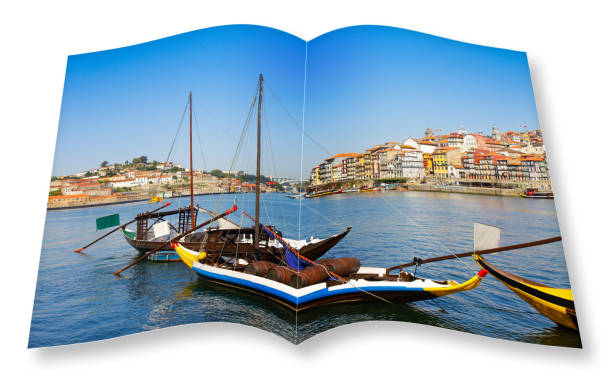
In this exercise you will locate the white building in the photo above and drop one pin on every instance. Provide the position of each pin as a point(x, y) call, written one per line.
point(469, 142)
point(409, 165)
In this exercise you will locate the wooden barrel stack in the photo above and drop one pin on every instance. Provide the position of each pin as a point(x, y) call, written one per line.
point(281, 274)
point(317, 274)
point(309, 276)
point(259, 268)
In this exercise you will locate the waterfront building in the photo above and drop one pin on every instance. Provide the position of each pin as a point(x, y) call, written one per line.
point(469, 142)
point(386, 158)
point(455, 140)
point(411, 142)
point(440, 162)
point(428, 163)
point(315, 180)
point(367, 164)
point(534, 168)
point(337, 173)
point(427, 146)
point(409, 165)
point(359, 167)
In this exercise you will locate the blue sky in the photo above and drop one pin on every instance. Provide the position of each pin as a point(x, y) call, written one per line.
point(365, 85)
point(127, 102)
point(369, 85)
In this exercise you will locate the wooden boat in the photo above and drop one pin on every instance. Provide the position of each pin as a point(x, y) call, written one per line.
point(241, 258)
point(145, 238)
point(535, 193)
point(323, 193)
point(223, 239)
point(365, 189)
point(363, 285)
point(556, 304)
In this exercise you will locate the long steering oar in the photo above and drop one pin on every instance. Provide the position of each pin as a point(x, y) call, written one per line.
point(470, 253)
point(119, 227)
point(162, 244)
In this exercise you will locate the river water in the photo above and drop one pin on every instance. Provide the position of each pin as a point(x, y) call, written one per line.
point(78, 299)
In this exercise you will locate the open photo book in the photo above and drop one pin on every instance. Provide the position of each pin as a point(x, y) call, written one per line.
point(241, 174)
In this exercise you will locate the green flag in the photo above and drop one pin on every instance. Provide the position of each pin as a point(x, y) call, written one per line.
point(108, 221)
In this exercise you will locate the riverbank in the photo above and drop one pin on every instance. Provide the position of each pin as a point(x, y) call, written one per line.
point(79, 204)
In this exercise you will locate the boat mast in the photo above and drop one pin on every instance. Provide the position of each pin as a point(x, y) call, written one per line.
point(258, 174)
point(191, 163)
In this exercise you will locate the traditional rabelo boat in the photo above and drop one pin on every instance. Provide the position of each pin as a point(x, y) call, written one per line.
point(154, 230)
point(556, 304)
point(295, 280)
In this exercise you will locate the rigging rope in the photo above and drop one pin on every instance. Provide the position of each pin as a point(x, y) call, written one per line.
point(240, 142)
point(297, 124)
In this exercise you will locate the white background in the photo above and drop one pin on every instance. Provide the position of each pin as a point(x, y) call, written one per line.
point(568, 45)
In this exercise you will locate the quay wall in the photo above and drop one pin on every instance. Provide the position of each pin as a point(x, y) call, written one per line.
point(463, 190)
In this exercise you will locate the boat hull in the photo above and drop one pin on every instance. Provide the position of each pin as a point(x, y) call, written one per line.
point(556, 304)
point(323, 194)
point(143, 246)
point(316, 250)
point(326, 293)
point(347, 297)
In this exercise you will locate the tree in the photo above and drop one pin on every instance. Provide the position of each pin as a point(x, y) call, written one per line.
point(103, 164)
point(217, 173)
point(140, 160)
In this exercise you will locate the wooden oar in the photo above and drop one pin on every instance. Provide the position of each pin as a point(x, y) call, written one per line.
point(119, 227)
point(162, 244)
point(470, 253)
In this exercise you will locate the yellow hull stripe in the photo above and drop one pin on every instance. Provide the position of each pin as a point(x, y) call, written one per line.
point(455, 287)
point(187, 256)
point(556, 313)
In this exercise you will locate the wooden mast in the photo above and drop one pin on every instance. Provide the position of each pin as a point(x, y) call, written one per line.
point(258, 174)
point(191, 163)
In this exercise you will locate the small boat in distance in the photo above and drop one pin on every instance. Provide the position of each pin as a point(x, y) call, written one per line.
point(369, 189)
point(535, 193)
point(316, 194)
point(296, 196)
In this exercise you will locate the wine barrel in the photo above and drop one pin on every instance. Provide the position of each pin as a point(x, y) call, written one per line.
point(280, 274)
point(341, 266)
point(309, 276)
point(259, 268)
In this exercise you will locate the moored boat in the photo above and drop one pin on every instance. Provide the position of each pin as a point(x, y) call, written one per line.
point(362, 285)
point(323, 193)
point(535, 193)
point(240, 258)
point(556, 304)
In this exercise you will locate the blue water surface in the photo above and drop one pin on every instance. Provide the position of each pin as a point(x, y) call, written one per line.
point(78, 299)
